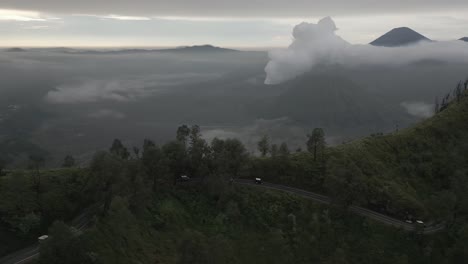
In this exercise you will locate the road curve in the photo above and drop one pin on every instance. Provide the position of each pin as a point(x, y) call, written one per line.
point(30, 253)
point(80, 222)
point(385, 219)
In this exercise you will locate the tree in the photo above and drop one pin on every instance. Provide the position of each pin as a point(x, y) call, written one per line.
point(63, 246)
point(107, 171)
point(119, 150)
point(198, 150)
point(284, 150)
point(2, 166)
point(174, 159)
point(35, 163)
point(183, 133)
point(68, 161)
point(264, 145)
point(228, 156)
point(316, 142)
point(274, 150)
point(151, 158)
point(136, 151)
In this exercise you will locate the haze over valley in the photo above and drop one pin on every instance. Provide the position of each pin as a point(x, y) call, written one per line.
point(233, 132)
point(72, 99)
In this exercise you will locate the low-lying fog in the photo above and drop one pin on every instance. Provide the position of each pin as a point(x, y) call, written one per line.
point(77, 102)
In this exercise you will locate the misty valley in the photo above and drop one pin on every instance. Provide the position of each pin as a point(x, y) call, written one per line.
point(314, 150)
point(73, 100)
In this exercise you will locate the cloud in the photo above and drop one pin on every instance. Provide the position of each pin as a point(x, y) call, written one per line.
point(119, 17)
point(97, 90)
point(239, 8)
point(419, 109)
point(107, 113)
point(318, 44)
point(20, 15)
point(121, 90)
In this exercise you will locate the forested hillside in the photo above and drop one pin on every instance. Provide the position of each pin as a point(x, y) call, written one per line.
point(146, 213)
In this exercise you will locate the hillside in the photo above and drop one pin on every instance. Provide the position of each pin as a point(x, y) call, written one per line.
point(147, 214)
point(396, 37)
point(333, 102)
point(413, 171)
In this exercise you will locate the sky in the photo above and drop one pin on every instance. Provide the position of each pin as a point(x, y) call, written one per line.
point(228, 23)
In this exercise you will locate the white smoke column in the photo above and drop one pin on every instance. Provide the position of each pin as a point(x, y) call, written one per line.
point(312, 43)
point(318, 44)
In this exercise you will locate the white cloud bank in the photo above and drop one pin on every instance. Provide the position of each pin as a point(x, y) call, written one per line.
point(96, 90)
point(123, 89)
point(419, 109)
point(318, 44)
point(20, 15)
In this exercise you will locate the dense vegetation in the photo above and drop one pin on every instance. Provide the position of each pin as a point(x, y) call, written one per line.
point(148, 215)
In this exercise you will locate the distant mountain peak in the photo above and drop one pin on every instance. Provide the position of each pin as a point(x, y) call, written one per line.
point(202, 48)
point(464, 39)
point(16, 50)
point(401, 36)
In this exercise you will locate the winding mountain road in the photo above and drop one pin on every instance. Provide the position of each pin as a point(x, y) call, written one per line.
point(355, 209)
point(80, 222)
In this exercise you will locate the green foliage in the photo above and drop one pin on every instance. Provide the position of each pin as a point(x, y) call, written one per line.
point(119, 150)
point(316, 143)
point(68, 161)
point(247, 226)
point(64, 245)
point(264, 145)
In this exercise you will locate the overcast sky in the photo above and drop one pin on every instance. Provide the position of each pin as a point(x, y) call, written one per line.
point(239, 23)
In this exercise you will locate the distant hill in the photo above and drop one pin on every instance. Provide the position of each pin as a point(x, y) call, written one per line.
point(202, 48)
point(464, 39)
point(396, 37)
point(186, 49)
point(15, 50)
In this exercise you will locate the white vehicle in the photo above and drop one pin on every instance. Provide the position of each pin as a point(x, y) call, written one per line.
point(419, 222)
point(409, 221)
point(42, 238)
point(258, 180)
point(184, 178)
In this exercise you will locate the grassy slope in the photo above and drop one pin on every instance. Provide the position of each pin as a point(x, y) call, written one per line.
point(405, 168)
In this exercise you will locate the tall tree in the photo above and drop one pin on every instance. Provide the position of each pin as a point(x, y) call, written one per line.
point(175, 159)
point(228, 156)
point(68, 161)
point(107, 171)
point(284, 150)
point(183, 133)
point(2, 166)
point(35, 163)
point(264, 145)
point(316, 142)
point(198, 151)
point(274, 150)
point(151, 158)
point(119, 150)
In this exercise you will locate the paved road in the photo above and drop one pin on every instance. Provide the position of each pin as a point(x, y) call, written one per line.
point(355, 209)
point(32, 252)
point(80, 222)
